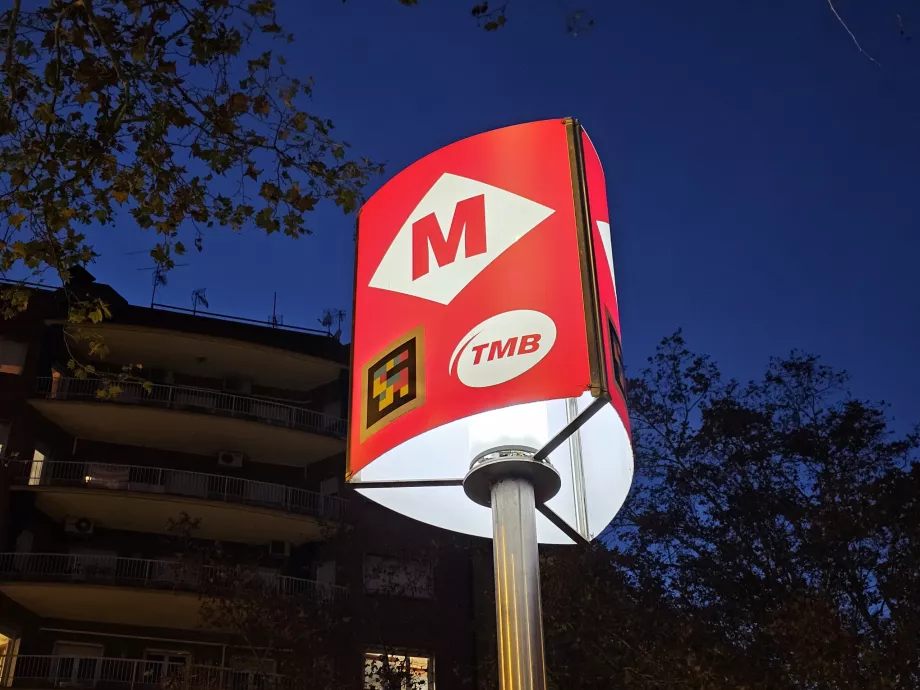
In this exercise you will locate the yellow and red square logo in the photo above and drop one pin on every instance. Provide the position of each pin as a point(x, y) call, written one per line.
point(393, 382)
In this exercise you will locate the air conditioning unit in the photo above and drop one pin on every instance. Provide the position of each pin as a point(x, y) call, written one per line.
point(279, 549)
point(78, 525)
point(229, 458)
point(238, 385)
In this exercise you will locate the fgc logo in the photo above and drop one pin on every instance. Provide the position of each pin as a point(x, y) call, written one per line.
point(502, 348)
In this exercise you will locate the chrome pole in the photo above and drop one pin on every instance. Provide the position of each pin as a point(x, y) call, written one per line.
point(512, 483)
point(517, 586)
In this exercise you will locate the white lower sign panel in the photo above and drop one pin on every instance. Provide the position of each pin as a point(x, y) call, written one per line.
point(585, 505)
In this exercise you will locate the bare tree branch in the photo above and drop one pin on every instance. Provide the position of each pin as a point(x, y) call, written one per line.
point(830, 3)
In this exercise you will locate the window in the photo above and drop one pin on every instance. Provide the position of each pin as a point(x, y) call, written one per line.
point(332, 408)
point(325, 572)
point(12, 356)
point(616, 355)
point(35, 472)
point(397, 577)
point(251, 673)
point(384, 671)
point(8, 648)
point(75, 664)
point(329, 486)
point(4, 437)
point(58, 383)
point(160, 665)
point(238, 385)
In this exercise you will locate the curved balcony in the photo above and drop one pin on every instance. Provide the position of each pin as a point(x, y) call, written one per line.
point(197, 399)
point(131, 591)
point(143, 499)
point(194, 420)
point(106, 673)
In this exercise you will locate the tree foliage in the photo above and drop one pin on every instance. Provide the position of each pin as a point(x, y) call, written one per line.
point(771, 540)
point(181, 114)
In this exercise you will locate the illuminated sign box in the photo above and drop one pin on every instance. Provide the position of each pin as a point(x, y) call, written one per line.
point(485, 317)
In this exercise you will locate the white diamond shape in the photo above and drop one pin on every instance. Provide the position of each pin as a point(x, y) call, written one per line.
point(508, 218)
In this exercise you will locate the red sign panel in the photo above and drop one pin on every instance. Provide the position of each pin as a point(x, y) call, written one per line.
point(606, 287)
point(471, 286)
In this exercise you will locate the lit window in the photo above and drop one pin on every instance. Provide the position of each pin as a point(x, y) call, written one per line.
point(35, 472)
point(384, 671)
point(397, 577)
point(7, 650)
point(12, 356)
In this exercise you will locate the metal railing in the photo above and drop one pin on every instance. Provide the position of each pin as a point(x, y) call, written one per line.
point(161, 480)
point(155, 574)
point(241, 319)
point(59, 671)
point(189, 398)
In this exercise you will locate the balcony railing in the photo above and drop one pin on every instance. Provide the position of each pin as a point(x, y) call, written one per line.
point(189, 398)
point(57, 671)
point(159, 480)
point(153, 574)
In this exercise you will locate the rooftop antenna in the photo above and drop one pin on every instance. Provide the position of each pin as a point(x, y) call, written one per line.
point(159, 278)
point(199, 296)
point(332, 316)
point(275, 319)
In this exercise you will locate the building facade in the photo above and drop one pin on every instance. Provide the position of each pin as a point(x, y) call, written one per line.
point(199, 446)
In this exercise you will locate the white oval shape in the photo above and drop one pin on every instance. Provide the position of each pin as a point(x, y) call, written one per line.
point(503, 347)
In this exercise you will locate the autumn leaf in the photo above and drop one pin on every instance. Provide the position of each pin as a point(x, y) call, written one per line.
point(119, 196)
point(261, 7)
point(270, 191)
point(139, 49)
point(305, 203)
point(266, 220)
point(299, 122)
point(239, 103)
point(260, 105)
point(45, 113)
point(16, 219)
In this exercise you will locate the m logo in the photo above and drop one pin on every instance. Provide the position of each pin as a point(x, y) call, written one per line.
point(469, 220)
point(480, 221)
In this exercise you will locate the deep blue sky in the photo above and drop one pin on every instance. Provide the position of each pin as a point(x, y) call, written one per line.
point(763, 175)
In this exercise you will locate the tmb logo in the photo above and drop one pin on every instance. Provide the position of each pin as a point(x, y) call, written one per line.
point(503, 347)
point(480, 221)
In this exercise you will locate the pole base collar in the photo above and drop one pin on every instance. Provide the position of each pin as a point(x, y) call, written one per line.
point(510, 462)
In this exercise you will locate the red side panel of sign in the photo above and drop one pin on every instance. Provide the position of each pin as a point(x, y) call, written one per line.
point(468, 291)
point(603, 259)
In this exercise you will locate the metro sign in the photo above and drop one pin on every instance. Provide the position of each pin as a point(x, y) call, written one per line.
point(427, 258)
point(485, 309)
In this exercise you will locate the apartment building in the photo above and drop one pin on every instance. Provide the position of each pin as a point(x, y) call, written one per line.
point(218, 435)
